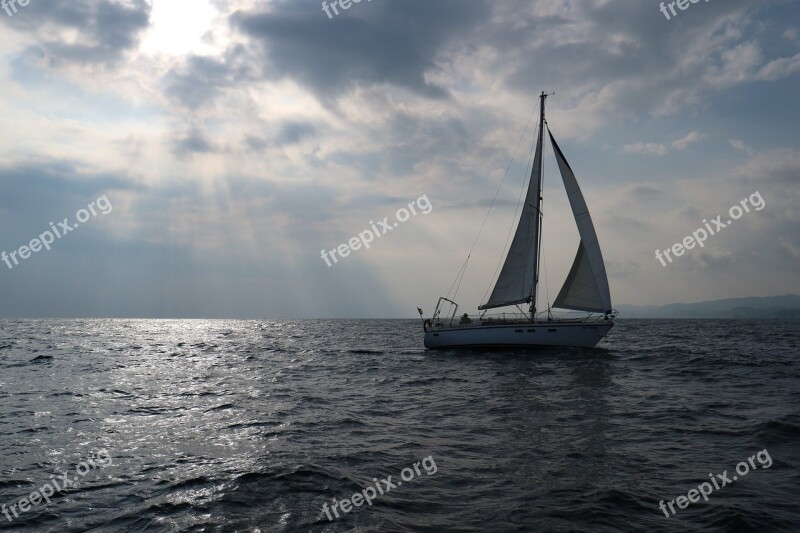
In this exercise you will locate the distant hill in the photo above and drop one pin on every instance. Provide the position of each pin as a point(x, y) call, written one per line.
point(756, 307)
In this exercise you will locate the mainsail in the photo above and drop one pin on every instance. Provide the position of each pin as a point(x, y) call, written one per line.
point(517, 281)
point(586, 287)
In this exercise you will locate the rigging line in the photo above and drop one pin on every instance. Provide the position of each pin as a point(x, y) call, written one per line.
point(464, 269)
point(459, 275)
point(528, 170)
point(496, 194)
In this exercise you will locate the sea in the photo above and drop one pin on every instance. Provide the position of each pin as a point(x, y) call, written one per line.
point(352, 425)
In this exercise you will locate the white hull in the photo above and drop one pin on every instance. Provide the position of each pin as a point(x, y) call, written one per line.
point(522, 335)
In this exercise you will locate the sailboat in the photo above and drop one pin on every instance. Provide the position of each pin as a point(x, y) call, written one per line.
point(585, 289)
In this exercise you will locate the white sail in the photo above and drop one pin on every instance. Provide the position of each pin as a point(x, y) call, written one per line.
point(586, 287)
point(516, 282)
point(580, 291)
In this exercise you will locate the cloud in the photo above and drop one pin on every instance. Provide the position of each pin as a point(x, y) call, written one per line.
point(735, 66)
point(641, 191)
point(741, 146)
point(194, 141)
point(792, 248)
point(293, 132)
point(646, 148)
point(779, 167)
point(779, 68)
point(82, 31)
point(684, 142)
point(367, 46)
point(661, 148)
point(199, 80)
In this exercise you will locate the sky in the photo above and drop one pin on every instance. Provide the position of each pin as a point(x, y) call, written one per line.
point(209, 151)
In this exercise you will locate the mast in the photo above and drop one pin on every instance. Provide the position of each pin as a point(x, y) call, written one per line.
point(538, 235)
point(516, 284)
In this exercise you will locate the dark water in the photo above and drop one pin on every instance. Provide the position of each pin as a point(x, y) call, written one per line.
point(254, 425)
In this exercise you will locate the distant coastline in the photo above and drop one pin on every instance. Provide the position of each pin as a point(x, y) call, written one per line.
point(775, 307)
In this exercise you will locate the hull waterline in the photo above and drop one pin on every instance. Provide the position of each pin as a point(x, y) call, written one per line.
point(540, 334)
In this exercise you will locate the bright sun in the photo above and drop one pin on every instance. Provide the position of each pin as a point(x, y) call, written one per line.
point(178, 26)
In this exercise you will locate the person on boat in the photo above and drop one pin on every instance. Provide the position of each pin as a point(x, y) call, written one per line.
point(465, 319)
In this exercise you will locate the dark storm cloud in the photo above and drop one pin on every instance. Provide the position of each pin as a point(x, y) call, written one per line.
point(585, 48)
point(372, 43)
point(107, 28)
point(394, 43)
